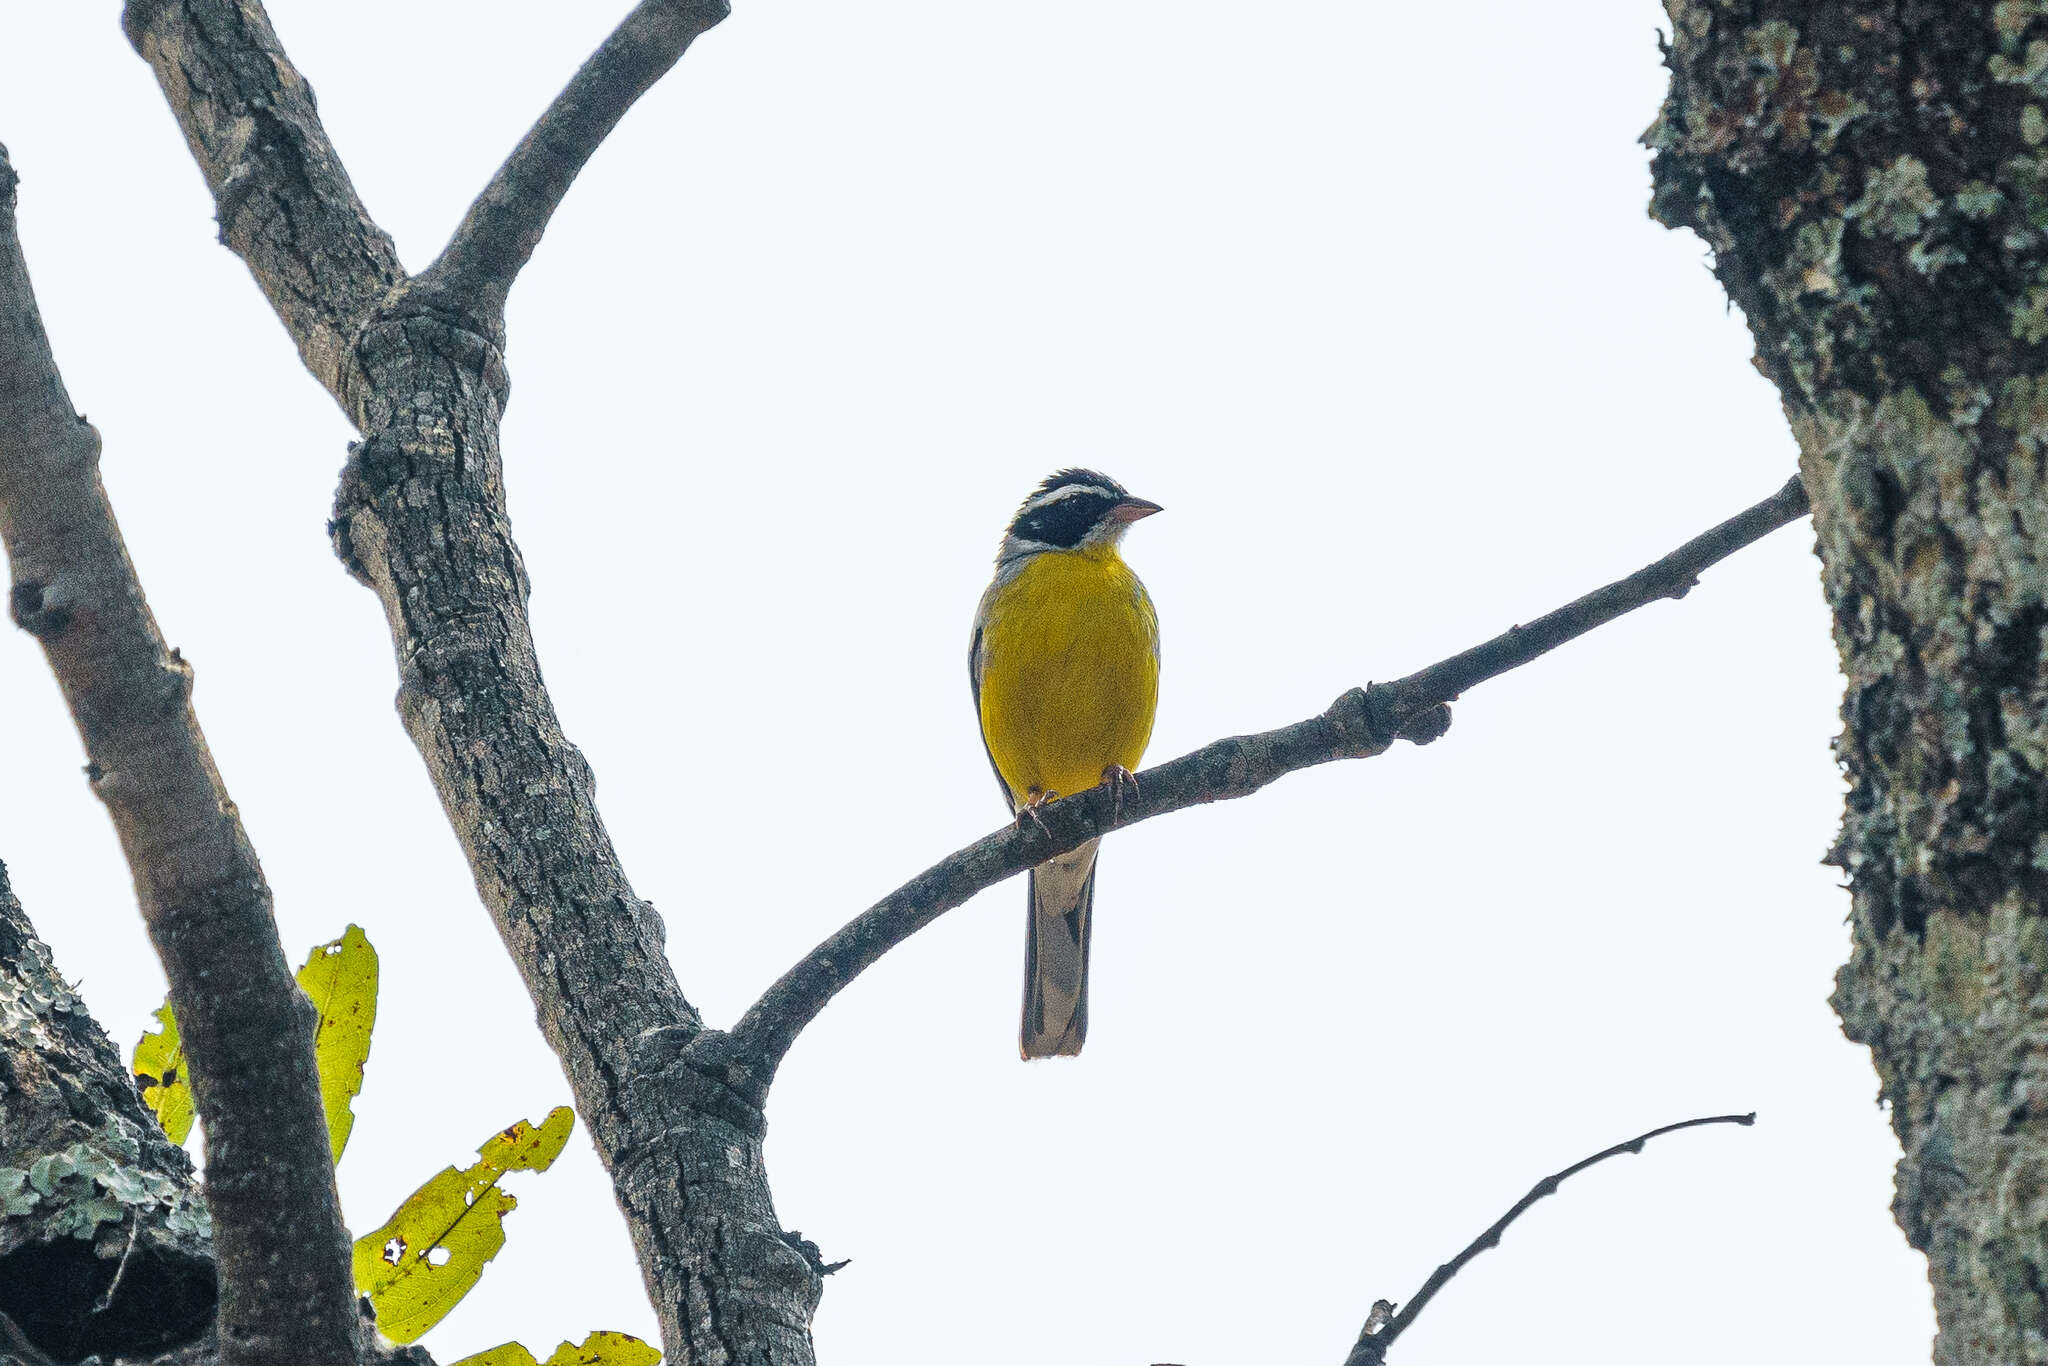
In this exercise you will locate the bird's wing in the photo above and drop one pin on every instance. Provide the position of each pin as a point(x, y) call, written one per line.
point(974, 685)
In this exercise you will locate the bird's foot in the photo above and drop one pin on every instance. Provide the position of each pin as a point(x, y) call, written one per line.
point(1116, 778)
point(1035, 797)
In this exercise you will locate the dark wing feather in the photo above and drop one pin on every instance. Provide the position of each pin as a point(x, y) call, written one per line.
point(974, 686)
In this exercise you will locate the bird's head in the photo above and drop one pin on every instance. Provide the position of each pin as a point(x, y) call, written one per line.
point(1073, 510)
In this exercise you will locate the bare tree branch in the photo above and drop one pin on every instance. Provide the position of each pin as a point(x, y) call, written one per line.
point(1383, 1325)
point(282, 199)
point(1360, 724)
point(502, 228)
point(286, 1289)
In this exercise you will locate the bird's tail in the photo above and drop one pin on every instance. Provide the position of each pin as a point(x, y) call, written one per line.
point(1056, 955)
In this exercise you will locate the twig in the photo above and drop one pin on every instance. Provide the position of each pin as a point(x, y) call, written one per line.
point(504, 225)
point(1360, 724)
point(286, 1292)
point(1384, 1325)
point(1671, 577)
point(106, 1299)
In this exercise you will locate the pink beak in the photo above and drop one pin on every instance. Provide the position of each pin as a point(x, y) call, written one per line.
point(1131, 509)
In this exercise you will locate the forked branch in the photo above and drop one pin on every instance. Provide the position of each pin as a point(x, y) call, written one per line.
point(1362, 723)
point(1385, 1324)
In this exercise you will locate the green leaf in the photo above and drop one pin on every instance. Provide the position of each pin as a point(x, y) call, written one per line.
point(160, 1069)
point(340, 978)
point(599, 1349)
point(432, 1250)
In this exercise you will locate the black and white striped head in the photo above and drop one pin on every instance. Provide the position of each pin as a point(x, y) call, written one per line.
point(1072, 510)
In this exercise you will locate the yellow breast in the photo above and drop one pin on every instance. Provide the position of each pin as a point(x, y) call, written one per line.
point(1069, 671)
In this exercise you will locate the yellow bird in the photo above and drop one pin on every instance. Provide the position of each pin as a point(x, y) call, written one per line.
point(1065, 669)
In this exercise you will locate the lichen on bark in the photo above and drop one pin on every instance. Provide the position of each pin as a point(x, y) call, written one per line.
point(1873, 183)
point(97, 1207)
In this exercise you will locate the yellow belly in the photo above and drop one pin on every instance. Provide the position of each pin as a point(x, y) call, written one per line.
point(1069, 672)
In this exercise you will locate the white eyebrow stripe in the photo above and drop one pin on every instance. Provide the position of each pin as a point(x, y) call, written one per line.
point(1045, 500)
point(1013, 546)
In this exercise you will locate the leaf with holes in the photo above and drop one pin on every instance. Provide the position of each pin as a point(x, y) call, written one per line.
point(160, 1072)
point(340, 978)
point(432, 1251)
point(599, 1349)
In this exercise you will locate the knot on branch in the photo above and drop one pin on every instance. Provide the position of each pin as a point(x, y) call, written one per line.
point(416, 329)
point(811, 1254)
point(679, 1072)
point(1427, 725)
point(379, 463)
point(38, 609)
point(1375, 716)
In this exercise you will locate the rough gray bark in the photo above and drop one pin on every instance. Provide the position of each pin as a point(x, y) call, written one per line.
point(89, 1186)
point(282, 200)
point(1872, 181)
point(286, 1289)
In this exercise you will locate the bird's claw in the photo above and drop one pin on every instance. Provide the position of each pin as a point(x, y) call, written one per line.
point(1116, 777)
point(1033, 799)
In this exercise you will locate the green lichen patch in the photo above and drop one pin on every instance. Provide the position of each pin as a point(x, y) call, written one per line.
point(16, 1197)
point(1978, 200)
point(1897, 201)
point(2029, 70)
point(2030, 316)
point(2011, 18)
point(77, 1190)
point(1951, 968)
point(1785, 106)
point(1931, 258)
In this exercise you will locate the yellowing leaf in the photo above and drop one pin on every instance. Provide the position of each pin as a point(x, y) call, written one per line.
point(506, 1354)
point(340, 978)
point(160, 1068)
point(432, 1251)
point(523, 1148)
point(599, 1349)
point(606, 1349)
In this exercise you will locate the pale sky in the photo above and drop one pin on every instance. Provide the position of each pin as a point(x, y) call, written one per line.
point(1365, 294)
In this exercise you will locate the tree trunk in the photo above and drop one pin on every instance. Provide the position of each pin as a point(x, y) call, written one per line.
point(1871, 179)
point(105, 1245)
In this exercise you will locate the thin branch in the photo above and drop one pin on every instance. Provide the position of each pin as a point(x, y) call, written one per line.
point(286, 1290)
point(283, 201)
point(1362, 723)
point(1384, 1325)
point(499, 233)
point(1671, 577)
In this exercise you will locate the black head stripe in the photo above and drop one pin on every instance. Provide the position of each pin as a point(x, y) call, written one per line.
point(1073, 477)
point(1066, 507)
